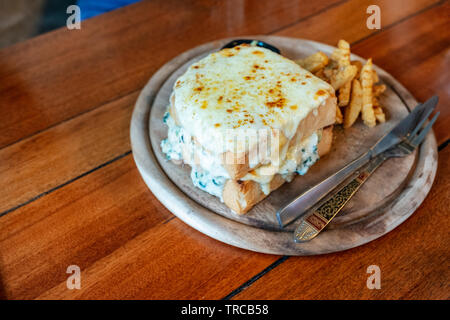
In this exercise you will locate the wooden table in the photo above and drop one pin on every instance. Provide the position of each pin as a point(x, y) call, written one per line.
point(71, 194)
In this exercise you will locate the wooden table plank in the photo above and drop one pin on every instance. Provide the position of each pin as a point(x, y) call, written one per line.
point(61, 74)
point(55, 156)
point(123, 240)
point(413, 260)
point(348, 20)
point(102, 220)
point(170, 262)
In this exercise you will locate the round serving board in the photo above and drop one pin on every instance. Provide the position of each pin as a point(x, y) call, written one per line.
point(390, 196)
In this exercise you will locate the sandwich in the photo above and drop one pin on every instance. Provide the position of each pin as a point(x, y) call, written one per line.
point(246, 120)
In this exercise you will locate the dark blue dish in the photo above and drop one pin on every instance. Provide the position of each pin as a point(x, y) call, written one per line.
point(257, 43)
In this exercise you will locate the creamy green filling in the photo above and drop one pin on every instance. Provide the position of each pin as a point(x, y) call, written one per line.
point(309, 154)
point(209, 175)
point(208, 182)
point(175, 138)
point(179, 145)
point(297, 159)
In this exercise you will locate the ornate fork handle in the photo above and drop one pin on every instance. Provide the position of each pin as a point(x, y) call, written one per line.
point(313, 223)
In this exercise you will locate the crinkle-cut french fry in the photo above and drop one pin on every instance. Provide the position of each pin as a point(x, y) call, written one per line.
point(378, 89)
point(339, 117)
point(375, 76)
point(352, 111)
point(354, 81)
point(380, 117)
point(320, 74)
point(342, 54)
point(314, 62)
point(378, 110)
point(340, 76)
point(358, 65)
point(339, 70)
point(344, 94)
point(375, 102)
point(379, 114)
point(368, 114)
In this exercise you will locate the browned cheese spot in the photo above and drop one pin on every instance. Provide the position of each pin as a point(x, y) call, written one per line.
point(279, 103)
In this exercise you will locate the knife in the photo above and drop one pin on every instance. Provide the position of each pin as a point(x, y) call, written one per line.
point(309, 198)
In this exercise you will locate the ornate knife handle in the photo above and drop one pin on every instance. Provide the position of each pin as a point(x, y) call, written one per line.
point(313, 223)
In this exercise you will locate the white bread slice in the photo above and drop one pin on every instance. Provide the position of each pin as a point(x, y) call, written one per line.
point(241, 196)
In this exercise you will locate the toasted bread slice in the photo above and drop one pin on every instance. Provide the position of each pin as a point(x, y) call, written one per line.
point(241, 196)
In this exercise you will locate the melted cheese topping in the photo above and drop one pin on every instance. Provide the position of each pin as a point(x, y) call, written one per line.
point(228, 92)
point(297, 159)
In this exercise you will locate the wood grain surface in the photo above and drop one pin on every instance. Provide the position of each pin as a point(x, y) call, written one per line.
point(71, 193)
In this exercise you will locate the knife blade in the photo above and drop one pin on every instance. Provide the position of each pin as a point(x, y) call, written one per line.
point(405, 127)
point(309, 198)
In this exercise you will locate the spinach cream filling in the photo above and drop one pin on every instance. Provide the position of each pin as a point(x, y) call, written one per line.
point(209, 175)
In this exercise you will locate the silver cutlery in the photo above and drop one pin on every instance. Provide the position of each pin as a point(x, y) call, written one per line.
point(312, 224)
point(404, 135)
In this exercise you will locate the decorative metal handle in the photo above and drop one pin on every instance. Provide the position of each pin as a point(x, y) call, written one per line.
point(309, 198)
point(313, 223)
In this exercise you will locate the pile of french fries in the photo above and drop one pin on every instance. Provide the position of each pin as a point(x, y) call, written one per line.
point(355, 85)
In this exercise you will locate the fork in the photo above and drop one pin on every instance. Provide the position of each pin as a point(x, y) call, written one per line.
point(314, 222)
